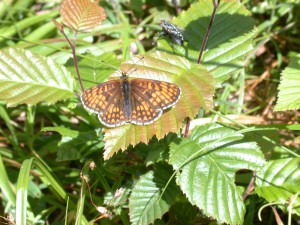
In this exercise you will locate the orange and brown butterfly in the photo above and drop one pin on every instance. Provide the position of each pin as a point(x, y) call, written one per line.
point(138, 101)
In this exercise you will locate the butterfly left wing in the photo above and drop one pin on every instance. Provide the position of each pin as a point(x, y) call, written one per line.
point(98, 98)
point(106, 100)
point(114, 115)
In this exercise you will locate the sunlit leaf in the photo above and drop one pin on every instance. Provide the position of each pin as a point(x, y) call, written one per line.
point(289, 88)
point(206, 163)
point(197, 89)
point(82, 15)
point(30, 78)
point(93, 70)
point(229, 42)
point(22, 191)
point(146, 202)
point(278, 181)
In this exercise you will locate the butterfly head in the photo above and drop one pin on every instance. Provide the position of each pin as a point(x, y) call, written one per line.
point(123, 74)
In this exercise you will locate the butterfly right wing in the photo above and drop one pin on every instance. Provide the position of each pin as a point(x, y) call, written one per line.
point(142, 111)
point(106, 100)
point(150, 98)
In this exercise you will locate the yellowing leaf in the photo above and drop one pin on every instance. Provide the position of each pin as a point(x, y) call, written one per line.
point(197, 89)
point(82, 15)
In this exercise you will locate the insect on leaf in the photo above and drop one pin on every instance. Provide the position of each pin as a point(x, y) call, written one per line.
point(197, 89)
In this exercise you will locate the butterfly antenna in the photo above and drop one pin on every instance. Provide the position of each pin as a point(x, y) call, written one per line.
point(127, 72)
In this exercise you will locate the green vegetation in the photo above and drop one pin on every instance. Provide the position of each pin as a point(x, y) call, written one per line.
point(226, 152)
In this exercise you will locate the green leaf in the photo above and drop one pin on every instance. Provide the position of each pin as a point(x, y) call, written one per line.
point(70, 142)
point(289, 87)
point(158, 151)
point(22, 190)
point(206, 164)
point(25, 23)
point(93, 70)
point(146, 204)
point(229, 42)
point(5, 185)
point(30, 78)
point(278, 181)
point(197, 89)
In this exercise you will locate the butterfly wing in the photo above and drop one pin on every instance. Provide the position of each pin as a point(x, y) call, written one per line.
point(114, 116)
point(142, 111)
point(150, 97)
point(106, 100)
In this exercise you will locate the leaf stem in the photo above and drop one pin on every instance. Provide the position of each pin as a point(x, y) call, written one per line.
point(216, 5)
point(73, 47)
point(75, 60)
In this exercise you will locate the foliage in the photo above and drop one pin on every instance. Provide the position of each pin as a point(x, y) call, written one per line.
point(60, 165)
point(287, 97)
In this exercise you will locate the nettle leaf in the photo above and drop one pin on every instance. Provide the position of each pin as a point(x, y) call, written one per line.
point(278, 181)
point(147, 203)
point(30, 78)
point(81, 15)
point(206, 163)
point(229, 42)
point(197, 89)
point(289, 87)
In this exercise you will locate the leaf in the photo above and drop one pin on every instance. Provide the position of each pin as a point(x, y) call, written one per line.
point(229, 42)
point(93, 69)
point(206, 164)
point(197, 89)
point(70, 142)
point(5, 184)
point(22, 190)
point(81, 15)
point(146, 204)
point(30, 78)
point(288, 96)
point(278, 181)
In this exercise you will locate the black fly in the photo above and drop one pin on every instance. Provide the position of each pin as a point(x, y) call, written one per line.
point(173, 31)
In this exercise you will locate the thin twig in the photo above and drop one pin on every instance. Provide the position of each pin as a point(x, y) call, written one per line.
point(73, 47)
point(187, 127)
point(250, 187)
point(75, 61)
point(216, 5)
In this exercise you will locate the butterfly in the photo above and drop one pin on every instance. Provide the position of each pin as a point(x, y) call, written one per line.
point(130, 100)
point(173, 31)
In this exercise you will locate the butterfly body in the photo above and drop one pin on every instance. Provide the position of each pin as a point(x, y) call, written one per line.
point(125, 85)
point(173, 31)
point(130, 100)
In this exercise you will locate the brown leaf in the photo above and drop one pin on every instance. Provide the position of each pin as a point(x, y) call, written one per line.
point(81, 15)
